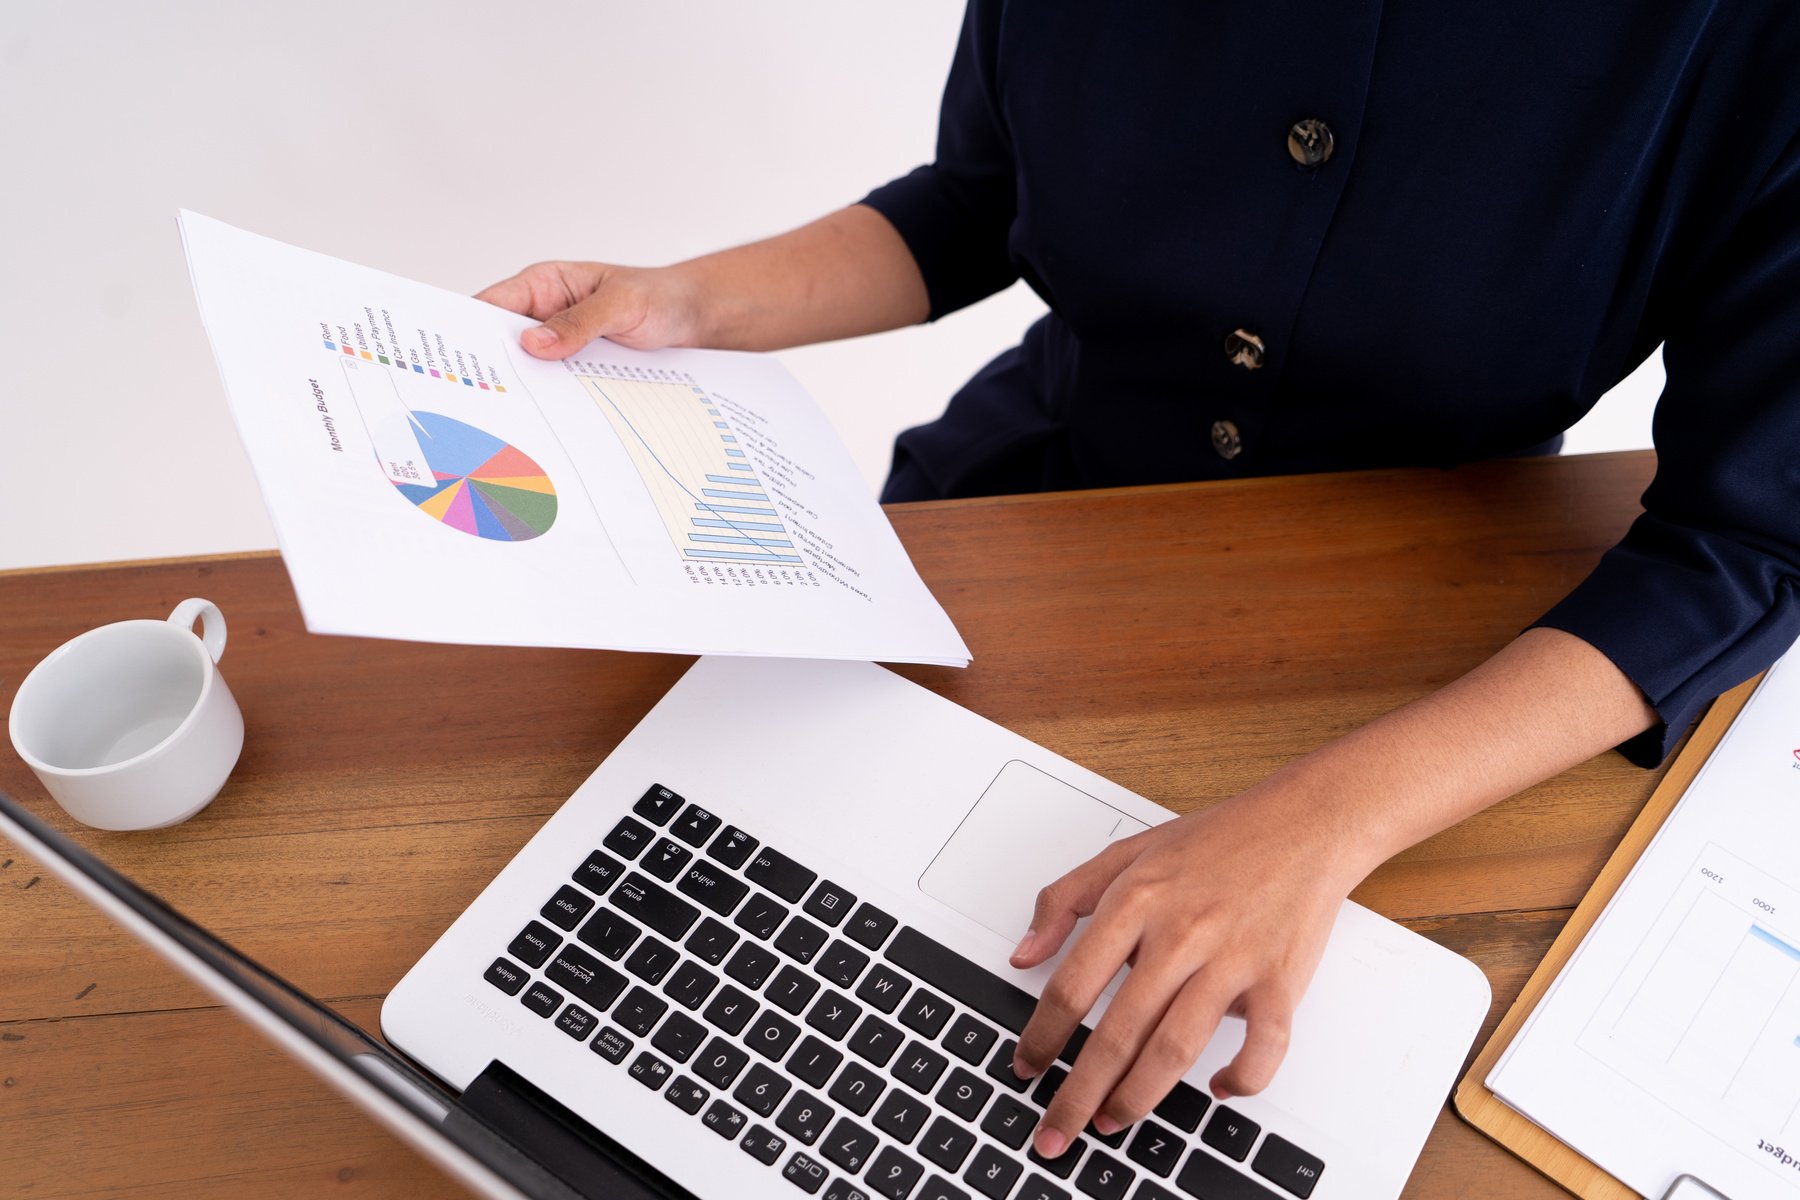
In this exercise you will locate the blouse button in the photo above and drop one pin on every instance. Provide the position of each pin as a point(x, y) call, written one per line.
point(1309, 142)
point(1244, 348)
point(1225, 439)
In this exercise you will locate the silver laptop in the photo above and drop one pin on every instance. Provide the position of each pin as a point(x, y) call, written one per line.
point(764, 948)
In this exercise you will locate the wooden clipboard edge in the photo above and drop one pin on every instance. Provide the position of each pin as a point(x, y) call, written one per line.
point(1486, 1111)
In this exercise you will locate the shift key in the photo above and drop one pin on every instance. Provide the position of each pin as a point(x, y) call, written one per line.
point(711, 886)
point(656, 907)
point(592, 981)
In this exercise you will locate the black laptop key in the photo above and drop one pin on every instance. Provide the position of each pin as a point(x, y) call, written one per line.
point(791, 990)
point(869, 926)
point(1184, 1106)
point(1283, 1163)
point(730, 1010)
point(833, 1015)
point(780, 874)
point(813, 1061)
point(720, 1063)
point(964, 1094)
point(598, 872)
point(732, 847)
point(1147, 1190)
point(565, 909)
point(657, 805)
point(901, 1117)
point(650, 1071)
point(695, 825)
point(576, 1021)
point(857, 1088)
point(711, 941)
point(654, 905)
point(1156, 1147)
point(875, 1040)
point(938, 1188)
point(534, 944)
point(993, 997)
point(1063, 1165)
point(841, 963)
point(1104, 1177)
point(1047, 1086)
point(839, 1189)
point(666, 860)
point(1039, 1188)
point(884, 987)
point(679, 1037)
point(848, 1145)
point(608, 932)
point(751, 965)
point(829, 903)
point(587, 978)
point(805, 1172)
point(771, 1035)
point(611, 1045)
point(801, 940)
point(925, 1012)
point(628, 838)
point(724, 1120)
point(1010, 1122)
point(761, 1090)
point(1000, 1066)
point(763, 1146)
point(761, 916)
point(919, 1067)
point(541, 999)
point(690, 985)
point(893, 1174)
point(992, 1173)
point(686, 1095)
point(947, 1143)
point(1207, 1175)
point(969, 1039)
point(639, 1011)
point(712, 887)
point(805, 1116)
point(1231, 1132)
point(652, 960)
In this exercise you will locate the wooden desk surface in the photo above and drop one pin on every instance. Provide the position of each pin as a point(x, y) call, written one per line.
point(1184, 641)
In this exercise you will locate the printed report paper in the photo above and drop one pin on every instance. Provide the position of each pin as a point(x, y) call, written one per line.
point(430, 481)
point(1670, 1043)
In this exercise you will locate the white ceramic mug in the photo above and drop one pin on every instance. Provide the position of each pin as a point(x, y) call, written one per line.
point(131, 726)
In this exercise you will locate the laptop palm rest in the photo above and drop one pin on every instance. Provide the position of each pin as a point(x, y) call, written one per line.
point(1026, 830)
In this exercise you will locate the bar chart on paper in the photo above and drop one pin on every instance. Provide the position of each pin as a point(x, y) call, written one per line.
point(1711, 1003)
point(698, 472)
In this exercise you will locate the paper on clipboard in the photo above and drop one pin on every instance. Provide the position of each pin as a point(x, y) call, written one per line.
point(1670, 1042)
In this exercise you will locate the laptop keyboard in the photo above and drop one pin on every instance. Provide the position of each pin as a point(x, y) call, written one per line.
point(857, 1057)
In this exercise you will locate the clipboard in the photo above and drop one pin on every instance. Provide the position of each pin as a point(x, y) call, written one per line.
point(1486, 1111)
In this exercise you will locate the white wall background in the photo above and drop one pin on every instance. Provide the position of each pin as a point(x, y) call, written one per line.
point(452, 142)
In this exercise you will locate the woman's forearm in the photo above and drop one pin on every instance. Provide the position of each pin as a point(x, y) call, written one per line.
point(1538, 707)
point(846, 274)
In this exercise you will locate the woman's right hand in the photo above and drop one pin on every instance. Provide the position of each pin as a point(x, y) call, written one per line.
point(643, 308)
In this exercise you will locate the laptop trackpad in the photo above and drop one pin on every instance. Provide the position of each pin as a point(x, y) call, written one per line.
point(1027, 829)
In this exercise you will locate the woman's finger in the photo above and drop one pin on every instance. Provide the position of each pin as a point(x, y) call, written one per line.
point(1187, 1025)
point(1268, 1020)
point(1065, 901)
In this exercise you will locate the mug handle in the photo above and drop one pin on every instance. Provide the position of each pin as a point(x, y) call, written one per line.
point(212, 623)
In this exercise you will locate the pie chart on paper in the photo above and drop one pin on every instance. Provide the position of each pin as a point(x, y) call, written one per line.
point(484, 487)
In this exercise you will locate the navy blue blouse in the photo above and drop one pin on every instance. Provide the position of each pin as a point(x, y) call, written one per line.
point(1520, 202)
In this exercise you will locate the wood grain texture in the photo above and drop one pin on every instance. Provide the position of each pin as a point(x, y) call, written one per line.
point(1182, 640)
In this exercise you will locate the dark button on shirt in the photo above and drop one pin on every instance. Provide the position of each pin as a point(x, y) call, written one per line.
point(1309, 142)
point(1538, 201)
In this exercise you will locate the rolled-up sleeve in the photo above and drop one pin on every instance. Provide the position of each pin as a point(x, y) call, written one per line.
point(954, 213)
point(1704, 589)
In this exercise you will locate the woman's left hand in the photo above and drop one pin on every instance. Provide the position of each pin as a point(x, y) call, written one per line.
point(1221, 911)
